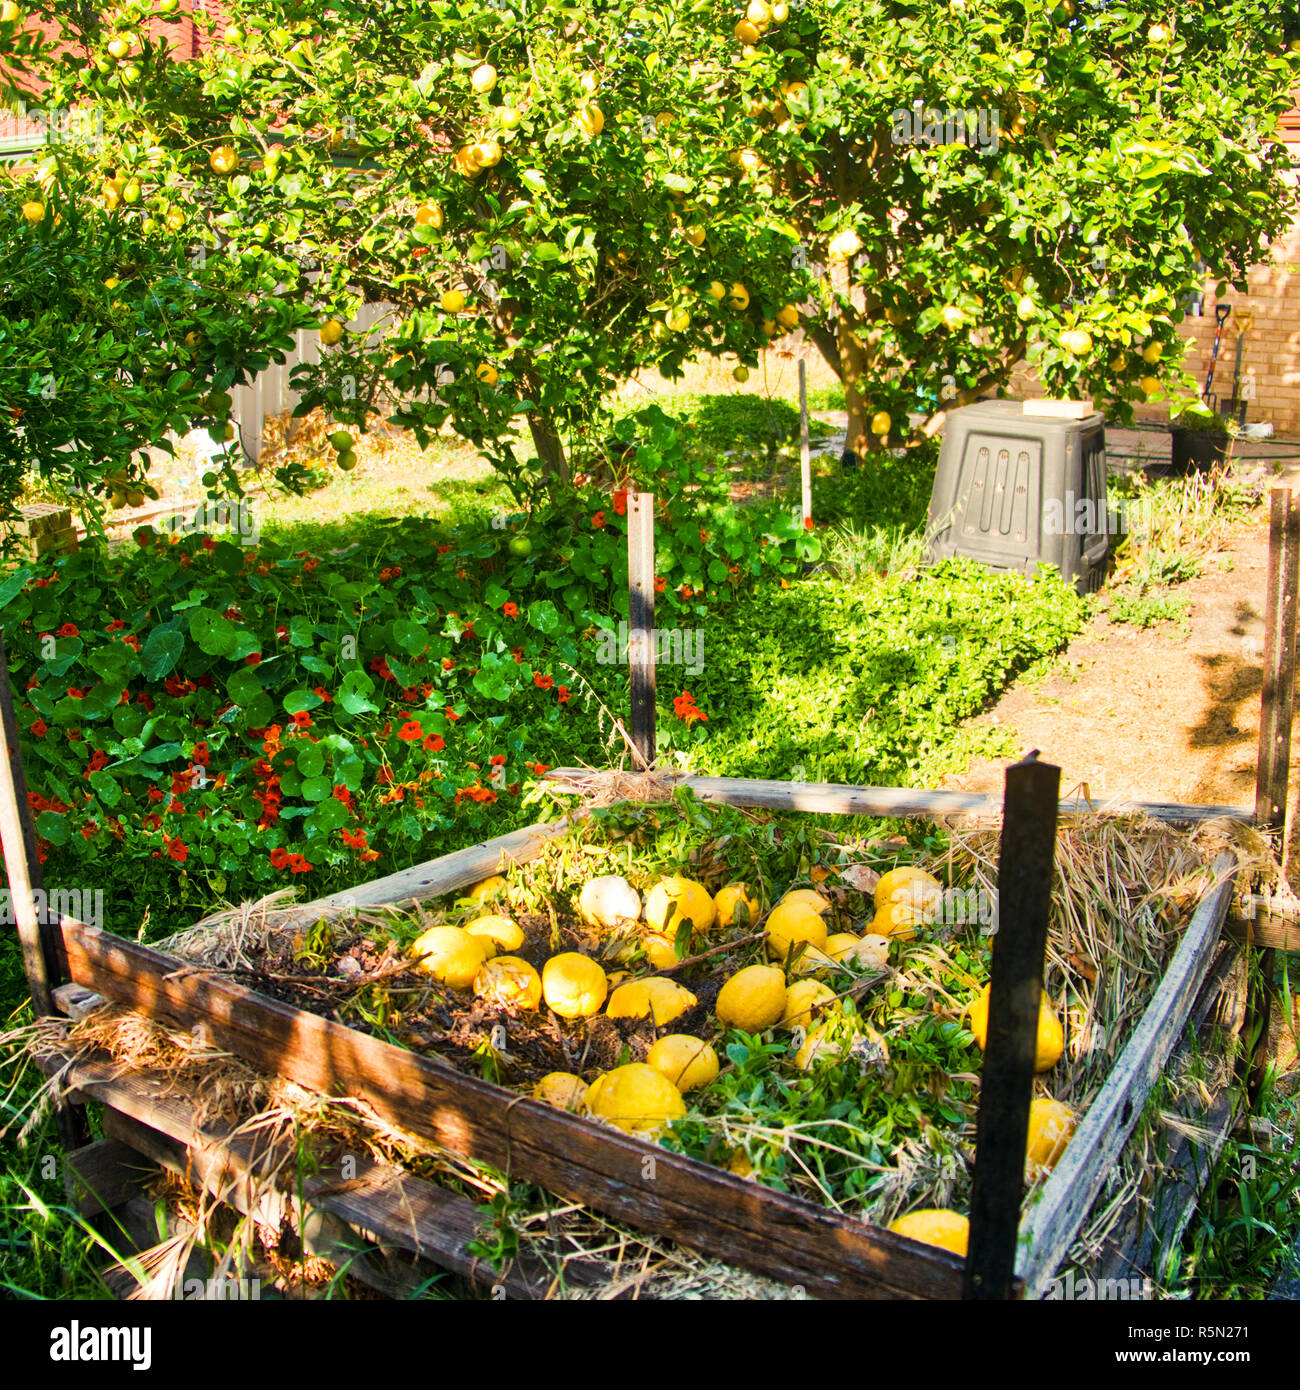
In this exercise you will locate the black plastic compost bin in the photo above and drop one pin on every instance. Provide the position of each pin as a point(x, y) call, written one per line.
point(1015, 491)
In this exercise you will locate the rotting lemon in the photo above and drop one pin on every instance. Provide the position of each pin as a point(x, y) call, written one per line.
point(497, 933)
point(662, 1000)
point(752, 999)
point(1051, 1127)
point(451, 955)
point(949, 1230)
point(573, 985)
point(636, 1098)
point(609, 901)
point(690, 902)
point(685, 1061)
point(736, 906)
point(561, 1089)
point(870, 951)
point(835, 1043)
point(658, 950)
point(802, 1000)
point(1051, 1036)
point(509, 980)
point(913, 886)
point(792, 922)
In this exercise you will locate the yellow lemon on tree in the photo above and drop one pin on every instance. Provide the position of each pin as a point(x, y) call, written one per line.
point(1051, 1126)
point(429, 215)
point(1077, 342)
point(497, 933)
point(487, 374)
point(695, 235)
point(1051, 1036)
point(736, 906)
point(509, 980)
point(738, 296)
point(331, 332)
point(1152, 353)
point(591, 119)
point(675, 900)
point(881, 422)
point(746, 33)
point(573, 985)
point(452, 302)
point(1119, 362)
point(949, 1230)
point(657, 998)
point(792, 922)
point(685, 1061)
point(1150, 386)
point(483, 78)
point(561, 1089)
point(801, 999)
point(636, 1098)
point(788, 316)
point(451, 955)
point(844, 245)
point(223, 160)
point(752, 999)
point(740, 374)
point(488, 153)
point(717, 290)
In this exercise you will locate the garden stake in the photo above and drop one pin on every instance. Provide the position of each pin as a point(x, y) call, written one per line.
point(641, 620)
point(1025, 870)
point(805, 448)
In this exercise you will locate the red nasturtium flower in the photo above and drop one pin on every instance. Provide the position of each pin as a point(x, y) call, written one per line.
point(434, 743)
point(660, 584)
point(69, 630)
point(302, 720)
point(410, 732)
point(598, 520)
point(517, 653)
point(620, 501)
point(178, 850)
point(539, 768)
point(451, 713)
point(324, 694)
point(253, 659)
point(685, 708)
point(563, 694)
point(543, 682)
point(40, 728)
point(444, 549)
point(201, 755)
point(354, 839)
point(115, 626)
point(279, 857)
point(511, 610)
point(498, 760)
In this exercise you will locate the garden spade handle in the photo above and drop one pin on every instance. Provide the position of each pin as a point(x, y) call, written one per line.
point(1221, 313)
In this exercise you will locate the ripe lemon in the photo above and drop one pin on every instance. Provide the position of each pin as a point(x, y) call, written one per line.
point(690, 902)
point(591, 119)
point(663, 1000)
point(717, 290)
point(1152, 353)
point(801, 999)
point(1051, 1036)
point(897, 918)
point(810, 897)
point(609, 901)
point(788, 316)
point(1077, 342)
point(685, 1061)
point(881, 422)
point(483, 78)
point(736, 906)
point(1118, 363)
point(791, 922)
point(738, 296)
point(740, 374)
point(487, 153)
point(739, 1164)
point(911, 884)
point(487, 374)
point(497, 933)
point(752, 999)
point(746, 33)
point(949, 1230)
point(452, 302)
point(331, 332)
point(509, 980)
point(573, 985)
point(561, 1089)
point(636, 1098)
point(832, 1041)
point(839, 944)
point(1150, 386)
point(695, 235)
point(844, 245)
point(429, 215)
point(451, 955)
point(485, 887)
point(1051, 1126)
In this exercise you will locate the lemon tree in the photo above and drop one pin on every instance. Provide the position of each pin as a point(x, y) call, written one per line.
point(537, 191)
point(976, 184)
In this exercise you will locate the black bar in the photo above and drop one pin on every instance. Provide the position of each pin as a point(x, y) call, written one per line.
point(641, 620)
point(1025, 871)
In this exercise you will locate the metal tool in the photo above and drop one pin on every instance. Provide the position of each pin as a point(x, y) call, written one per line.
point(1237, 407)
point(1221, 313)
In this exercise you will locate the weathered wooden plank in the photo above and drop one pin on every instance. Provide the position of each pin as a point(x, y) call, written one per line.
point(105, 1174)
point(1277, 693)
point(1025, 872)
point(1067, 1196)
point(436, 877)
point(830, 798)
point(783, 1237)
point(381, 1203)
point(641, 621)
point(1266, 930)
point(75, 1001)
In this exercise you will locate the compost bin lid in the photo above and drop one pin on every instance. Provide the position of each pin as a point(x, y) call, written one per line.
point(1009, 417)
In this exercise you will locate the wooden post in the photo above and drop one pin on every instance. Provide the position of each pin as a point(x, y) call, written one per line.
point(1277, 709)
point(1025, 870)
point(22, 864)
point(641, 620)
point(805, 447)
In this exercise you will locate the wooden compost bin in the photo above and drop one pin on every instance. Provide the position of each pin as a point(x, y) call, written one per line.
point(786, 1238)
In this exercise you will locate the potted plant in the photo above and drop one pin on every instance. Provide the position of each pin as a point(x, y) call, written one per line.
point(1199, 439)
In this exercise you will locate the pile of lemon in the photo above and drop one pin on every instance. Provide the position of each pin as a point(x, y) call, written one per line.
point(788, 993)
